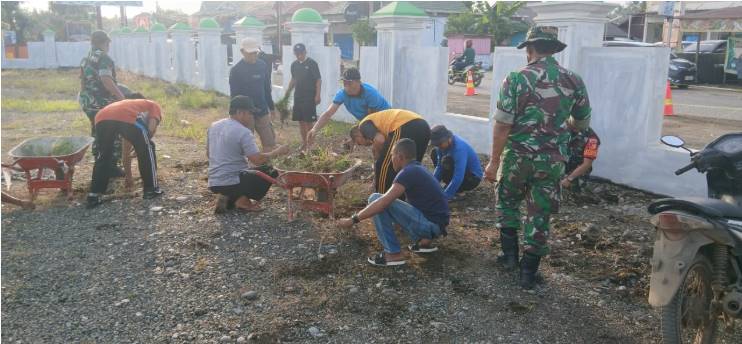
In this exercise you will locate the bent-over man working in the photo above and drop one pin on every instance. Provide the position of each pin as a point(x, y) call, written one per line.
point(583, 150)
point(381, 130)
point(229, 143)
point(424, 216)
point(456, 163)
point(136, 120)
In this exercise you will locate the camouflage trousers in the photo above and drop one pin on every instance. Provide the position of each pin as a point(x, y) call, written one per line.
point(537, 182)
point(94, 149)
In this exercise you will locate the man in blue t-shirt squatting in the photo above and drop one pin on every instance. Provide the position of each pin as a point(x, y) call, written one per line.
point(424, 216)
point(360, 99)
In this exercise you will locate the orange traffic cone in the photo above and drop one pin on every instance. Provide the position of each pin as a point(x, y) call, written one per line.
point(668, 101)
point(470, 85)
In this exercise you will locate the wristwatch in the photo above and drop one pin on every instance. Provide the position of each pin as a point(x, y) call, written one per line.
point(570, 179)
point(355, 218)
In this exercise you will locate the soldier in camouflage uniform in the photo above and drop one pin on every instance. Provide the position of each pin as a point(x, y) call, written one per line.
point(535, 106)
point(98, 86)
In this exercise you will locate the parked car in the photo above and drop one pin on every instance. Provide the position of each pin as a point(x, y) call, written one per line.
point(682, 72)
point(707, 47)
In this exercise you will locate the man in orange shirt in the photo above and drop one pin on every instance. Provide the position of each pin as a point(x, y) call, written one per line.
point(136, 120)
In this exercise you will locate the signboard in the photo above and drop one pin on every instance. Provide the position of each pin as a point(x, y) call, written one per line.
point(733, 60)
point(666, 9)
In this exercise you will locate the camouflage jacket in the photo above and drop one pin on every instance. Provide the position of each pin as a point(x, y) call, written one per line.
point(538, 101)
point(93, 95)
point(582, 144)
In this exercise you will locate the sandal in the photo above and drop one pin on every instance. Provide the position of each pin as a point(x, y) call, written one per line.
point(380, 260)
point(417, 248)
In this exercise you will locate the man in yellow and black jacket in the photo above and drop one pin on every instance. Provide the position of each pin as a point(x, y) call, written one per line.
point(381, 130)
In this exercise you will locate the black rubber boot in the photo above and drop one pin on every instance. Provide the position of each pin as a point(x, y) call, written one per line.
point(509, 244)
point(528, 269)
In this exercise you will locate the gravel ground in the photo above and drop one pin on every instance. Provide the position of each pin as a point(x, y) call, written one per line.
point(170, 271)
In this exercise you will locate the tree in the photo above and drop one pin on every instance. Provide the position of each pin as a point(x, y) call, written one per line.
point(363, 32)
point(464, 23)
point(495, 18)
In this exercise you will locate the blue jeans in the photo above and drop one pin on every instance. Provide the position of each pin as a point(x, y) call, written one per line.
point(412, 221)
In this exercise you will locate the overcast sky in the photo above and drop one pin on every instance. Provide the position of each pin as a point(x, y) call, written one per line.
point(187, 6)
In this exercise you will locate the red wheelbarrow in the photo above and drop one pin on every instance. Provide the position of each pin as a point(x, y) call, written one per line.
point(58, 154)
point(324, 184)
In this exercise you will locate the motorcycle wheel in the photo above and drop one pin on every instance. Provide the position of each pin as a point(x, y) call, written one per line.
point(451, 78)
point(477, 80)
point(688, 317)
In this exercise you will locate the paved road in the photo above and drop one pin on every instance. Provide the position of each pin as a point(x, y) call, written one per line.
point(710, 102)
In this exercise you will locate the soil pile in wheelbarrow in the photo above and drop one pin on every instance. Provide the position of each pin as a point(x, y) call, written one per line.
point(317, 160)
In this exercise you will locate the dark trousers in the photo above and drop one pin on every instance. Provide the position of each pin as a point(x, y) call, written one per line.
point(447, 164)
point(116, 143)
point(106, 133)
point(416, 130)
point(250, 186)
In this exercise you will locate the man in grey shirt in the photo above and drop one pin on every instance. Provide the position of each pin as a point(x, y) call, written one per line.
point(230, 145)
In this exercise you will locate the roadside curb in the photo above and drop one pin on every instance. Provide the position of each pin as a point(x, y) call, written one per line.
point(718, 88)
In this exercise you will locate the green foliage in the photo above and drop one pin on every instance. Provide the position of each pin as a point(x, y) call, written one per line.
point(495, 19)
point(196, 99)
point(464, 23)
point(363, 32)
point(283, 106)
point(336, 129)
point(16, 19)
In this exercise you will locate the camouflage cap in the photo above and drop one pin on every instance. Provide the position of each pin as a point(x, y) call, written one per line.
point(544, 34)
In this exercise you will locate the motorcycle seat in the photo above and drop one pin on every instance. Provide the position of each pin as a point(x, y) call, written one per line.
point(697, 205)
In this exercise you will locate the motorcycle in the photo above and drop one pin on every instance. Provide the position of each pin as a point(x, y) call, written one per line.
point(461, 75)
point(696, 274)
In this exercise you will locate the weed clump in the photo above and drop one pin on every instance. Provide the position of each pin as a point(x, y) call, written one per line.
point(317, 160)
point(284, 107)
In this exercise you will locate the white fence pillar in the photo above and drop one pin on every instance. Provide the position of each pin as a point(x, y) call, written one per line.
point(184, 58)
point(209, 53)
point(140, 47)
point(50, 49)
point(160, 57)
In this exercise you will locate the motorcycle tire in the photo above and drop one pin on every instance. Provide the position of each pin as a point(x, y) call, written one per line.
point(451, 78)
point(674, 325)
point(478, 80)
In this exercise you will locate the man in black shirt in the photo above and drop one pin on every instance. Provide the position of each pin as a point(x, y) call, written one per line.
point(252, 77)
point(305, 77)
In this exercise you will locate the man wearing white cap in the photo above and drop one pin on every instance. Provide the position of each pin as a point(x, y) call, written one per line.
point(251, 77)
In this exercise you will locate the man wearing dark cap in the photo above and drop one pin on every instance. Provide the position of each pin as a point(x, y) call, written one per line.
point(99, 88)
point(305, 77)
point(536, 106)
point(230, 145)
point(456, 163)
point(360, 99)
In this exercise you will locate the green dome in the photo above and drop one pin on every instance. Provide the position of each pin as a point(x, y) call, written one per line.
point(249, 21)
point(181, 27)
point(141, 29)
point(125, 29)
point(306, 15)
point(400, 8)
point(208, 23)
point(115, 32)
point(157, 27)
point(49, 31)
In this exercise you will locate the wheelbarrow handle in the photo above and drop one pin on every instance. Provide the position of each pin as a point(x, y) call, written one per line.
point(266, 177)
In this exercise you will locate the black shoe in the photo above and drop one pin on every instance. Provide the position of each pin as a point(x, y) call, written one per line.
point(528, 269)
point(150, 194)
point(94, 200)
point(509, 244)
point(117, 172)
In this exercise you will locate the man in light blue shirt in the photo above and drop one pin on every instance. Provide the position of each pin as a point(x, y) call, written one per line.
point(360, 99)
point(456, 163)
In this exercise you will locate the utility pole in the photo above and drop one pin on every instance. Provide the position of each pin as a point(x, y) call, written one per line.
point(278, 28)
point(98, 17)
point(123, 16)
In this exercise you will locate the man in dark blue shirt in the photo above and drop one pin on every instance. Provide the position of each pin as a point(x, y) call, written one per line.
point(360, 99)
point(456, 163)
point(424, 216)
point(251, 77)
